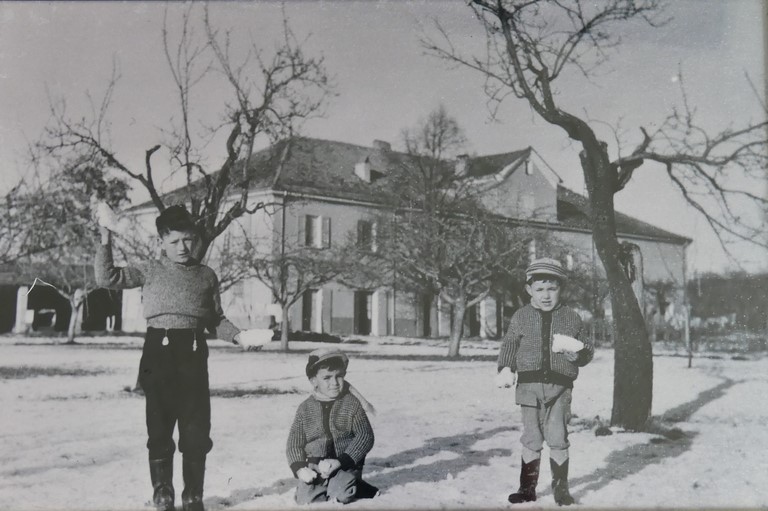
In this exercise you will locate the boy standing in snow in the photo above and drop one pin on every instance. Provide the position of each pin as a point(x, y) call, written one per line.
point(330, 435)
point(181, 299)
point(544, 376)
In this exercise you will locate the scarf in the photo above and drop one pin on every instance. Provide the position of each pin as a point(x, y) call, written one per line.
point(367, 406)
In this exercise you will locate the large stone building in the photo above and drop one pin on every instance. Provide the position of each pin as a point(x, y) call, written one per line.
point(322, 192)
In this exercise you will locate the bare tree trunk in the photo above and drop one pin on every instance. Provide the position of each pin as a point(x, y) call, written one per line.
point(284, 325)
point(633, 357)
point(457, 325)
point(75, 303)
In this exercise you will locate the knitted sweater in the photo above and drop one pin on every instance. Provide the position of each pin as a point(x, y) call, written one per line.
point(351, 435)
point(174, 295)
point(522, 349)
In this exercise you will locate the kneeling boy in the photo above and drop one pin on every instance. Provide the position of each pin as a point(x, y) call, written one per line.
point(330, 435)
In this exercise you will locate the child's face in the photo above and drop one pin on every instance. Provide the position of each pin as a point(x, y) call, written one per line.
point(328, 382)
point(545, 294)
point(178, 246)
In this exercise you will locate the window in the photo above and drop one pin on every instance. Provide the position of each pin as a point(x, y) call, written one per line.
point(315, 231)
point(311, 226)
point(531, 250)
point(366, 235)
point(569, 261)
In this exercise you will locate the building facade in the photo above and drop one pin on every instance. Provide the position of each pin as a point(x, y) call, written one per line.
point(323, 194)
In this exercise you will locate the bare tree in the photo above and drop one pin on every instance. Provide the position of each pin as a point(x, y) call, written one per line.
point(531, 44)
point(61, 237)
point(442, 242)
point(292, 271)
point(270, 95)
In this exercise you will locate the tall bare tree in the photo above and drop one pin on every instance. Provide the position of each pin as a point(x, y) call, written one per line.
point(531, 46)
point(442, 242)
point(269, 96)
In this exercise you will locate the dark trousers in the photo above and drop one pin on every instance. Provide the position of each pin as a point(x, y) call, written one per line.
point(175, 382)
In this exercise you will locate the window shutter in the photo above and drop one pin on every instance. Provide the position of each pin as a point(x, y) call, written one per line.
point(326, 232)
point(360, 227)
point(374, 236)
point(302, 230)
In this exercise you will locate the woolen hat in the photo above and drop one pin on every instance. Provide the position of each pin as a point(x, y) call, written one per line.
point(321, 355)
point(545, 266)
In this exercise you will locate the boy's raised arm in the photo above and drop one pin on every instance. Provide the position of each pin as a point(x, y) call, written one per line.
point(110, 276)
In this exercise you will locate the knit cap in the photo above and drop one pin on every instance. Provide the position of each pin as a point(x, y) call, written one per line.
point(545, 266)
point(323, 354)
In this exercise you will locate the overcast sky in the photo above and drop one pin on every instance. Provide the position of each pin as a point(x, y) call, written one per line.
point(385, 82)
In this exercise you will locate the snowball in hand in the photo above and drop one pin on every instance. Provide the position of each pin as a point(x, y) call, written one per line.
point(561, 343)
point(254, 337)
point(106, 217)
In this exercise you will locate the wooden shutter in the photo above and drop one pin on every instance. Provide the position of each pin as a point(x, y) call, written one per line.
point(360, 228)
point(374, 237)
point(302, 230)
point(326, 232)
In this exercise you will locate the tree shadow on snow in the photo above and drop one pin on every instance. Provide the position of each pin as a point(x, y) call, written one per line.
point(671, 443)
point(379, 470)
point(249, 494)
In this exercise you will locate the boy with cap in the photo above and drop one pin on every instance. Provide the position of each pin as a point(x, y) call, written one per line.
point(181, 299)
point(544, 374)
point(330, 435)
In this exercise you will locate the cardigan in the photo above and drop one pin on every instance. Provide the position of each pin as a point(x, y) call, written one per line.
point(173, 295)
point(351, 434)
point(522, 349)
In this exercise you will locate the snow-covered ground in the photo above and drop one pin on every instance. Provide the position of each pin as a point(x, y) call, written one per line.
point(446, 437)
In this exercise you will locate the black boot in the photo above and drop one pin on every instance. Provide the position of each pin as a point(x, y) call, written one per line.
point(560, 483)
point(161, 474)
point(366, 490)
point(529, 477)
point(194, 476)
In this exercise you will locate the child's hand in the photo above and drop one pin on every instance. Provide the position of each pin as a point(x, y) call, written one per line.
point(328, 467)
point(571, 356)
point(506, 378)
point(253, 339)
point(306, 475)
point(107, 218)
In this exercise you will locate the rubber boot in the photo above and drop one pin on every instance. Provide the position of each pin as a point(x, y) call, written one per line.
point(366, 490)
point(560, 483)
point(194, 477)
point(529, 477)
point(161, 474)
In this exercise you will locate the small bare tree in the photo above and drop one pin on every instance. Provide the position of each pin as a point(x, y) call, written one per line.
point(290, 272)
point(61, 237)
point(270, 95)
point(531, 45)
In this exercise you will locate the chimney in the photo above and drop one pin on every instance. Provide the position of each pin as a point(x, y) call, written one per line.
point(380, 145)
point(461, 165)
point(363, 170)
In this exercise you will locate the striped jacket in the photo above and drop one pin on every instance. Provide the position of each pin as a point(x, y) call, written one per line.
point(521, 348)
point(351, 433)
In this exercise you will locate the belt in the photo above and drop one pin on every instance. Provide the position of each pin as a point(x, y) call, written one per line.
point(196, 332)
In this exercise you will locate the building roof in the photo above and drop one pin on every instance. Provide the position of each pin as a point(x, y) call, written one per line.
point(482, 166)
point(573, 211)
point(310, 166)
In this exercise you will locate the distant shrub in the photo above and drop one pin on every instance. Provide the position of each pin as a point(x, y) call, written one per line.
point(308, 337)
